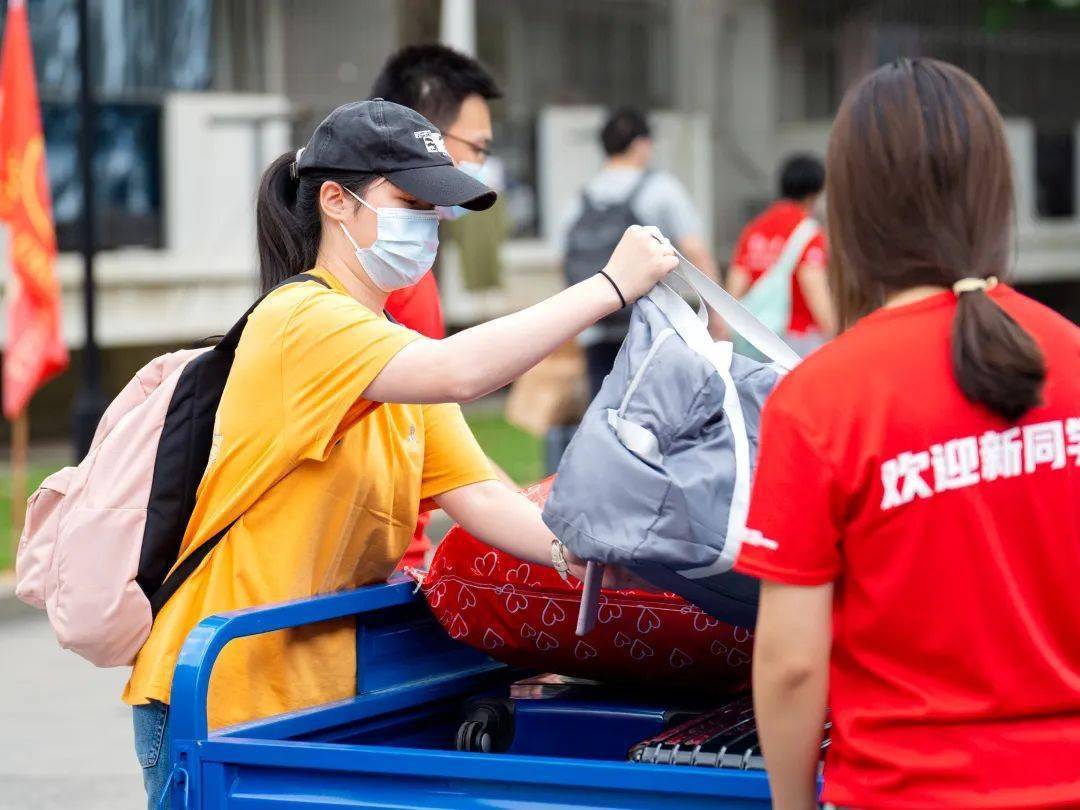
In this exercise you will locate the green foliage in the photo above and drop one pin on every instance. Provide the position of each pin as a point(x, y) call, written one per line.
point(521, 455)
point(999, 14)
point(36, 475)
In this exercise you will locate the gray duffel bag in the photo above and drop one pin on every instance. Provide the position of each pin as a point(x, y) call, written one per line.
point(657, 478)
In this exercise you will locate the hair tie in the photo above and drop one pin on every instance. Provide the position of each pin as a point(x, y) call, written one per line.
point(966, 285)
point(294, 169)
point(618, 292)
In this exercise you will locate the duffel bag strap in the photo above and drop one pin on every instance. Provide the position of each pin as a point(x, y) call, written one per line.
point(686, 323)
point(737, 316)
point(695, 334)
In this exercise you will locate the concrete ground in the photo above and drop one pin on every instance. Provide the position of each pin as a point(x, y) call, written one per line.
point(65, 737)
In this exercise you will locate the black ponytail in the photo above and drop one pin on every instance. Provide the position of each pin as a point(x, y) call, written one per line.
point(995, 361)
point(288, 222)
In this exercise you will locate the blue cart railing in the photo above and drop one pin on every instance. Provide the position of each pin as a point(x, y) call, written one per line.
point(386, 747)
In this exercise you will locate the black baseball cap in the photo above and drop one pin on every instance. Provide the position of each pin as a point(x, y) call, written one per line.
point(380, 137)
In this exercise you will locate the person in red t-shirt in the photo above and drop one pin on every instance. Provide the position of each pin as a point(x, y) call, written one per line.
point(762, 242)
point(915, 515)
point(419, 307)
point(452, 91)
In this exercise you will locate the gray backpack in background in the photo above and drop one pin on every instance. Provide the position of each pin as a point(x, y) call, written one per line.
point(592, 239)
point(657, 478)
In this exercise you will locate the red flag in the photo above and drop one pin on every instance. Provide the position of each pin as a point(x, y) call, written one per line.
point(35, 350)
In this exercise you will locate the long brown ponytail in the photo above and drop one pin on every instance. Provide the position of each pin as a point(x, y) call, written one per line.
point(288, 222)
point(920, 193)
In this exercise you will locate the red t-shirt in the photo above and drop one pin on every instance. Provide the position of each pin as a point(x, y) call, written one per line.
point(953, 540)
point(419, 308)
point(760, 245)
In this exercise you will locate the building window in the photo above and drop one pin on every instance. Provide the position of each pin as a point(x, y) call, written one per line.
point(1055, 174)
point(140, 50)
point(607, 52)
point(127, 174)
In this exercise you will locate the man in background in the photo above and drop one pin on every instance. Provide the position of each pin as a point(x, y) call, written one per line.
point(452, 91)
point(628, 191)
point(812, 320)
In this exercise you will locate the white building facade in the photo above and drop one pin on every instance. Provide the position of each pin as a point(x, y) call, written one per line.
point(224, 86)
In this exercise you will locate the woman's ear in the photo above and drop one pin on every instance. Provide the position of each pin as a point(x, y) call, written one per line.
point(334, 201)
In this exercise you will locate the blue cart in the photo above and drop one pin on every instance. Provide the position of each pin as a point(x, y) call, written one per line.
point(401, 742)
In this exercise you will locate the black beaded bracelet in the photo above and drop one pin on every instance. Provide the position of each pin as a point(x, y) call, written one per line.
point(611, 281)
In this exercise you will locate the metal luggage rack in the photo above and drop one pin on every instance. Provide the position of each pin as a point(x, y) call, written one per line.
point(725, 737)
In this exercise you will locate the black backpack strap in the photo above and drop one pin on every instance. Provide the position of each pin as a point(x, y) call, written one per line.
point(184, 570)
point(189, 563)
point(587, 203)
point(635, 192)
point(232, 337)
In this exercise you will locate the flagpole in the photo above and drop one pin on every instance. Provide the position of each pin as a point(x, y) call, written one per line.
point(90, 401)
point(20, 446)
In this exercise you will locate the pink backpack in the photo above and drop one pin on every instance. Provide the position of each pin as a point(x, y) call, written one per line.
point(99, 551)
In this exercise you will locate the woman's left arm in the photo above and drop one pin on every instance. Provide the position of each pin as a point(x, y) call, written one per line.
point(507, 520)
point(791, 677)
point(501, 517)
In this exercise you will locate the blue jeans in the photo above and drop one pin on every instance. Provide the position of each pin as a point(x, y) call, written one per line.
point(152, 748)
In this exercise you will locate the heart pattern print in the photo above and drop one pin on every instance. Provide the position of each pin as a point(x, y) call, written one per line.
point(525, 614)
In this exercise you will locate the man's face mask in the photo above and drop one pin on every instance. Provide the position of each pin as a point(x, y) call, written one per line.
point(477, 171)
point(404, 249)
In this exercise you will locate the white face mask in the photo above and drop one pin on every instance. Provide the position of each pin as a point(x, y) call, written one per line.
point(475, 170)
point(406, 242)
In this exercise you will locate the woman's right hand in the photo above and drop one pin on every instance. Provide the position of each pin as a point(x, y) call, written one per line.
point(640, 260)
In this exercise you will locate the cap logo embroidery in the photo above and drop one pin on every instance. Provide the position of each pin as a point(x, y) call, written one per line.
point(432, 140)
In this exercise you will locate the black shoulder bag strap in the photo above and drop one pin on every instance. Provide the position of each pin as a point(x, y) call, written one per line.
point(232, 337)
point(188, 564)
point(587, 204)
point(635, 192)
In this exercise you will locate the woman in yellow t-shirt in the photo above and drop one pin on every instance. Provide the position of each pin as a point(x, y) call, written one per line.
point(336, 423)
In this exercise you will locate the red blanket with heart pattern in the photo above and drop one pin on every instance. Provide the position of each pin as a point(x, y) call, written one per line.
point(525, 615)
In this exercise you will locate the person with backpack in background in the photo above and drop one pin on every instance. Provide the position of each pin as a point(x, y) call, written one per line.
point(626, 191)
point(778, 265)
point(915, 516)
point(333, 425)
point(453, 91)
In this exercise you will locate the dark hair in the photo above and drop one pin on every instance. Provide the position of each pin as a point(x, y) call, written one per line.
point(801, 176)
point(622, 128)
point(434, 80)
point(920, 193)
point(288, 221)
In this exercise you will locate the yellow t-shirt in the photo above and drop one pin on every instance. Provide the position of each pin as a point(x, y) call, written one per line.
point(324, 487)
